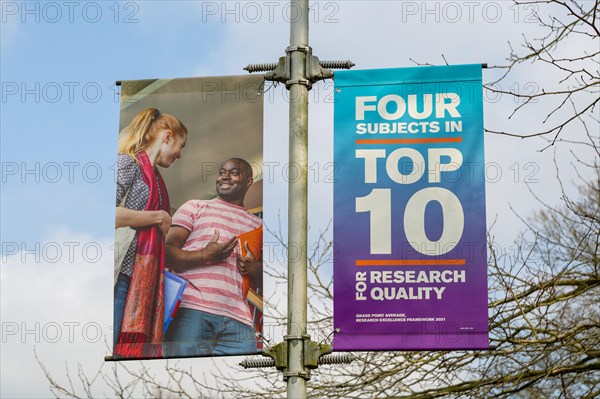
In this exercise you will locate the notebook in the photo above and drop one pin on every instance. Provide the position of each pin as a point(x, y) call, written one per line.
point(174, 286)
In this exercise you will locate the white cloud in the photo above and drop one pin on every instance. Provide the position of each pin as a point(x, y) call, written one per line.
point(57, 300)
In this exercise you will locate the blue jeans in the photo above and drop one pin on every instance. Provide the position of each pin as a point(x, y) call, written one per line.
point(121, 289)
point(196, 333)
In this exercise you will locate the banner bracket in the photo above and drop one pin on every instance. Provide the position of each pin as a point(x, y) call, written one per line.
point(314, 354)
point(315, 70)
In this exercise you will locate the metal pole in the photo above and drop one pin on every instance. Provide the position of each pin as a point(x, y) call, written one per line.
point(298, 201)
point(299, 69)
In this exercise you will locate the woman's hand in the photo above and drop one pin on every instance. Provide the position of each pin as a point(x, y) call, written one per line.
point(134, 219)
point(163, 221)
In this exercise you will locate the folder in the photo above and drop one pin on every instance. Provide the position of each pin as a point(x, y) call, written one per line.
point(254, 238)
point(174, 286)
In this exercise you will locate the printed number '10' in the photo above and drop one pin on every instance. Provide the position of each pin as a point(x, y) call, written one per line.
point(379, 204)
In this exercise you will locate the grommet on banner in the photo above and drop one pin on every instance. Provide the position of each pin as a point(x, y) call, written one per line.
point(335, 331)
point(263, 339)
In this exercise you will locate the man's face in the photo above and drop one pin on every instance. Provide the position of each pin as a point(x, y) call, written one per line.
point(232, 181)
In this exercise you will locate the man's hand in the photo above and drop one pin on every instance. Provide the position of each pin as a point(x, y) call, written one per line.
point(180, 260)
point(218, 252)
point(249, 265)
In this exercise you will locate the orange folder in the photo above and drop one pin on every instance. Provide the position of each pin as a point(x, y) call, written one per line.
point(254, 238)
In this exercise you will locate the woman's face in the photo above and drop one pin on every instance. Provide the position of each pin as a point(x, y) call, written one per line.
point(170, 150)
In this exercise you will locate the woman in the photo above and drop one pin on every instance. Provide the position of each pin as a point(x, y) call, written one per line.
point(151, 139)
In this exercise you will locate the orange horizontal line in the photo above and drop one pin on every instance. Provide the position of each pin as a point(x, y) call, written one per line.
point(410, 262)
point(411, 141)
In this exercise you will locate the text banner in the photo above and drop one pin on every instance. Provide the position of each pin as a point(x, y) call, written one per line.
point(409, 210)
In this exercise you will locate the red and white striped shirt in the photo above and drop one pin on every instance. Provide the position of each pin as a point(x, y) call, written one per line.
point(220, 284)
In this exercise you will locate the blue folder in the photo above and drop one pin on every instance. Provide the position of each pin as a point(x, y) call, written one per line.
point(174, 286)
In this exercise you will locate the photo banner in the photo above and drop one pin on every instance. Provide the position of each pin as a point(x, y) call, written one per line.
point(410, 258)
point(189, 208)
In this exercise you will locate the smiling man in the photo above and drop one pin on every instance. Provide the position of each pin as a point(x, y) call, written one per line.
point(201, 246)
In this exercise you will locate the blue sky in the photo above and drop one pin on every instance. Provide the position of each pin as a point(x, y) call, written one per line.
point(48, 131)
point(60, 105)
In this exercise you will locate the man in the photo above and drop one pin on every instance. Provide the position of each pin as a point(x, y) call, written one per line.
point(201, 246)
